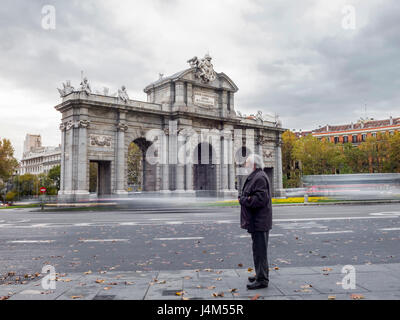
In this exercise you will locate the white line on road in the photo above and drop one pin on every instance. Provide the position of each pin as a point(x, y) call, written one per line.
point(183, 238)
point(390, 229)
point(331, 232)
point(271, 235)
point(104, 240)
point(128, 223)
point(335, 218)
point(31, 241)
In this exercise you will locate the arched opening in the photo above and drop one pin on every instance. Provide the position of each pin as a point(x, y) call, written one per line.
point(141, 174)
point(204, 171)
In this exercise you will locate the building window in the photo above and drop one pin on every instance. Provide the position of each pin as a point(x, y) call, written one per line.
point(373, 134)
point(354, 139)
point(336, 139)
point(363, 137)
point(345, 139)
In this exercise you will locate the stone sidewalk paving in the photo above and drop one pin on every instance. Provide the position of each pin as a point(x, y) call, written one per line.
point(379, 281)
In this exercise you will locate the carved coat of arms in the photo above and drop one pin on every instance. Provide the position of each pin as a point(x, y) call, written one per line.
point(204, 68)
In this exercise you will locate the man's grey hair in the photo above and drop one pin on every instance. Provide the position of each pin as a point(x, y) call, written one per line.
point(256, 161)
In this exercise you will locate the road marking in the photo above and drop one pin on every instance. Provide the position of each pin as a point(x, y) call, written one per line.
point(31, 241)
point(331, 232)
point(39, 225)
point(173, 222)
point(128, 223)
point(183, 238)
point(104, 240)
point(385, 213)
point(82, 224)
point(335, 218)
point(390, 229)
point(301, 225)
point(271, 235)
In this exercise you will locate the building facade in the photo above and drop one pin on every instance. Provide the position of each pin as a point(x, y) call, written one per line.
point(354, 133)
point(37, 159)
point(188, 131)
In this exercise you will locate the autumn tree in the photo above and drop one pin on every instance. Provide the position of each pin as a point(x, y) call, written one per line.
point(7, 161)
point(291, 171)
point(134, 165)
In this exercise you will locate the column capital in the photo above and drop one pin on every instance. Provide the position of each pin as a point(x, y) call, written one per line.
point(122, 127)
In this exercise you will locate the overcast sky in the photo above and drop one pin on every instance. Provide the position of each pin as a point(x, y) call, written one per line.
point(301, 59)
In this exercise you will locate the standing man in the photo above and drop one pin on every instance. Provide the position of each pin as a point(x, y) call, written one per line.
point(256, 217)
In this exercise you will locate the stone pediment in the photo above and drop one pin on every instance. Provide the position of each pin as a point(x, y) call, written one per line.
point(201, 74)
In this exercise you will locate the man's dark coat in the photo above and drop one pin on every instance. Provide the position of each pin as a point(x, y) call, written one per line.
point(255, 201)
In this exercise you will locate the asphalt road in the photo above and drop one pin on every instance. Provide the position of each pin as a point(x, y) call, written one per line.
point(195, 238)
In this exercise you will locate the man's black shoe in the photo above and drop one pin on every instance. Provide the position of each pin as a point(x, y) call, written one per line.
point(252, 279)
point(257, 285)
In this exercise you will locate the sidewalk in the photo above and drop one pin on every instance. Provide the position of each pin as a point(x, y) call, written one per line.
point(372, 282)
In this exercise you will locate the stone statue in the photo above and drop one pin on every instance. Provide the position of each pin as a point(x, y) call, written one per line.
point(204, 68)
point(259, 115)
point(123, 95)
point(85, 86)
point(67, 89)
point(194, 62)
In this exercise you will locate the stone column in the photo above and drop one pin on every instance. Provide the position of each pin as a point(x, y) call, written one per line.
point(69, 156)
point(224, 164)
point(164, 161)
point(231, 166)
point(83, 163)
point(189, 164)
point(180, 166)
point(62, 164)
point(120, 156)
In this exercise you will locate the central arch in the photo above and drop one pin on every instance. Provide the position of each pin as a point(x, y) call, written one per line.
point(204, 170)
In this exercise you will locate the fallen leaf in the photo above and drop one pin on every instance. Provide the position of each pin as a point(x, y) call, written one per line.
point(211, 287)
point(355, 296)
point(255, 297)
point(249, 269)
point(331, 297)
point(240, 265)
point(219, 294)
point(233, 290)
point(99, 281)
point(179, 293)
point(76, 297)
point(88, 272)
point(107, 288)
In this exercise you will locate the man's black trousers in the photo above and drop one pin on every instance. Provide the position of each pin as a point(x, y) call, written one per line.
point(260, 247)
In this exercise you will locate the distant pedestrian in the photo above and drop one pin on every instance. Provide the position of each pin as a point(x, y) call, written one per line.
point(256, 217)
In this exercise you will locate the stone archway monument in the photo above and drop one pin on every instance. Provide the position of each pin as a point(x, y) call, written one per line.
point(188, 131)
